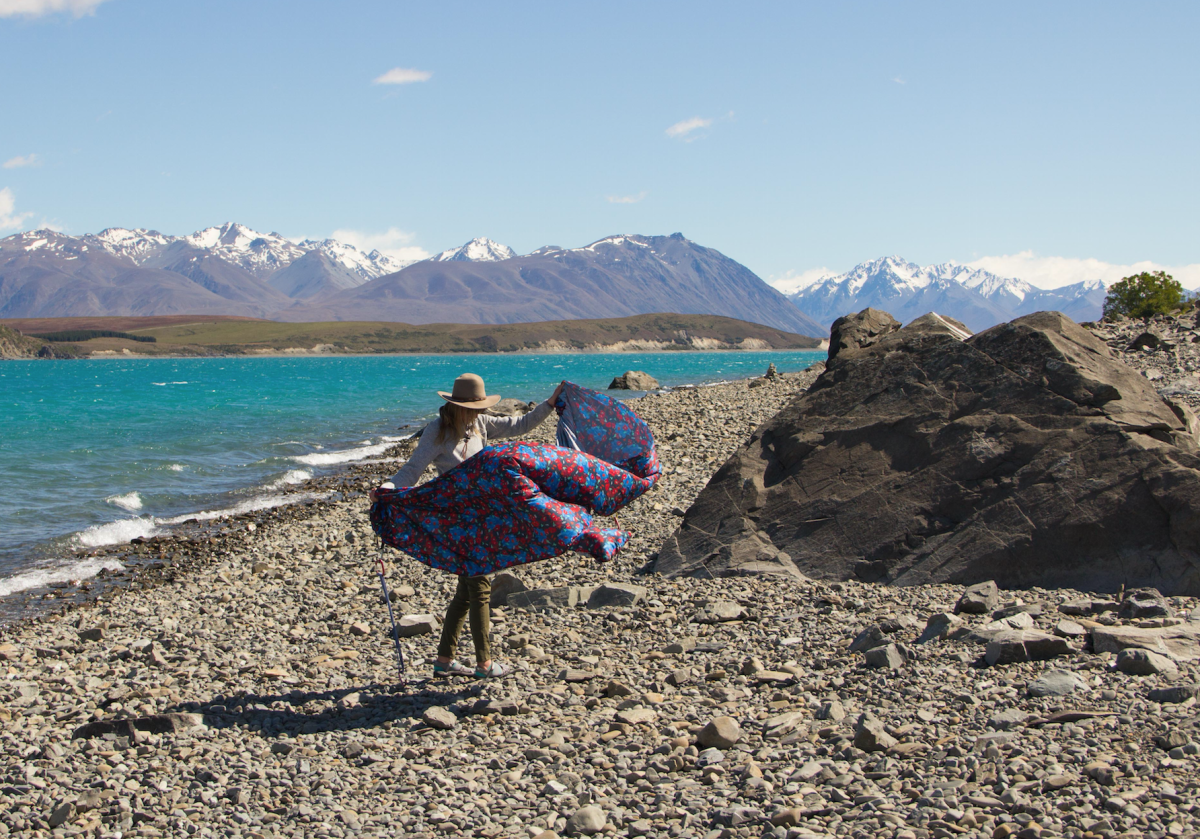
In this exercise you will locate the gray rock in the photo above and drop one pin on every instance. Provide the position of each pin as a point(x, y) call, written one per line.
point(93, 634)
point(1055, 683)
point(634, 380)
point(1144, 663)
point(1180, 642)
point(436, 716)
point(1004, 720)
point(411, 626)
point(831, 709)
point(884, 657)
point(872, 636)
point(615, 595)
point(683, 645)
point(934, 418)
point(504, 584)
point(720, 733)
point(587, 820)
point(1144, 603)
point(62, 814)
point(870, 736)
point(721, 611)
point(938, 626)
point(1174, 695)
point(979, 599)
point(1024, 645)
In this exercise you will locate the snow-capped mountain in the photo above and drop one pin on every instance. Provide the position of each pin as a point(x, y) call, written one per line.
point(261, 254)
point(977, 298)
point(478, 249)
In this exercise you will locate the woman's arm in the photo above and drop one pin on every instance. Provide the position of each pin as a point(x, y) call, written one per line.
point(500, 427)
point(427, 449)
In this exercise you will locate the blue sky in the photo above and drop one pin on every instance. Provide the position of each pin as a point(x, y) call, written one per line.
point(1051, 141)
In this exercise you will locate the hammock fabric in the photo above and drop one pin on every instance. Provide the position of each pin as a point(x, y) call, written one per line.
point(521, 502)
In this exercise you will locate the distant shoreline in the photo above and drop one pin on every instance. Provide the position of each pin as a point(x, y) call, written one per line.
point(189, 337)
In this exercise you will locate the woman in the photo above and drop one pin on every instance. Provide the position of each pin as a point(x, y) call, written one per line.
point(460, 431)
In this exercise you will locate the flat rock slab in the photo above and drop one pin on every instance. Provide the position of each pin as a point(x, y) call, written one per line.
point(1180, 642)
point(411, 626)
point(1024, 645)
point(1055, 683)
point(721, 611)
point(154, 724)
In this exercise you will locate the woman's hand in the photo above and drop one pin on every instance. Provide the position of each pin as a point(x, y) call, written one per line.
point(557, 391)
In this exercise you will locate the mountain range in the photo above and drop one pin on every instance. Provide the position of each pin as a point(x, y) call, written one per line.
point(977, 298)
point(234, 270)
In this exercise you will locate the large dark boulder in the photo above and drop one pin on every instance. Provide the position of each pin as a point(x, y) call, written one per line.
point(1026, 454)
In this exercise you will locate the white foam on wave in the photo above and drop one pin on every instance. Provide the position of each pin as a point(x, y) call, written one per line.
point(353, 455)
point(260, 502)
point(130, 501)
point(81, 570)
point(117, 532)
point(291, 478)
point(177, 467)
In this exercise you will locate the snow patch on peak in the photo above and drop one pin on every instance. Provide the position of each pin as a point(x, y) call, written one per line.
point(479, 249)
point(613, 241)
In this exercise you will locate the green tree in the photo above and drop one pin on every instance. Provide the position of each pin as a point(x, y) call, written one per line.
point(1142, 295)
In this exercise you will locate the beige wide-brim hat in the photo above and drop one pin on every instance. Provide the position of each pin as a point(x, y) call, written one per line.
point(469, 393)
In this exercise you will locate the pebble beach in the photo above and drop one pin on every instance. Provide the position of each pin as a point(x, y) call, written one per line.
point(241, 682)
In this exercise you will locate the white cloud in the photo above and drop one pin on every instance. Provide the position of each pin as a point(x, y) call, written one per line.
point(37, 8)
point(791, 281)
point(400, 75)
point(683, 129)
point(1056, 271)
point(393, 242)
point(22, 160)
point(899, 80)
point(9, 217)
point(627, 199)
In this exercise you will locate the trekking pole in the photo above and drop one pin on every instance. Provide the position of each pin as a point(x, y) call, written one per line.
point(391, 615)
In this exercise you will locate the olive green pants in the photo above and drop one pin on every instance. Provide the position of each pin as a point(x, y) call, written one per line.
point(472, 597)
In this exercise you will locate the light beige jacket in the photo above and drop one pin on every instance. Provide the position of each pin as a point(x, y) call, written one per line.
point(446, 455)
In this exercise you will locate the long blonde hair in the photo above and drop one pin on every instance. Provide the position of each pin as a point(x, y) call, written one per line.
point(455, 422)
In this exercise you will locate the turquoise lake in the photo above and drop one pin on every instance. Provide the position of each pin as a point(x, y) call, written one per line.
point(98, 452)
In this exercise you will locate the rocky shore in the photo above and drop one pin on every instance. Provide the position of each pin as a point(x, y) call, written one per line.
point(243, 684)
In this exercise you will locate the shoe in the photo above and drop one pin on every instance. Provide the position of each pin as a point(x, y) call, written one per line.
point(494, 670)
point(454, 668)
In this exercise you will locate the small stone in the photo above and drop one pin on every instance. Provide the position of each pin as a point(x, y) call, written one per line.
point(611, 595)
point(886, 657)
point(360, 629)
point(683, 645)
point(410, 626)
point(1004, 720)
point(637, 716)
point(869, 638)
point(1144, 663)
point(787, 817)
point(588, 820)
point(720, 733)
point(1055, 683)
point(1144, 603)
point(570, 674)
point(1070, 629)
point(62, 814)
point(721, 611)
point(616, 688)
point(436, 716)
point(938, 626)
point(870, 736)
point(553, 788)
point(979, 599)
point(831, 709)
point(93, 634)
